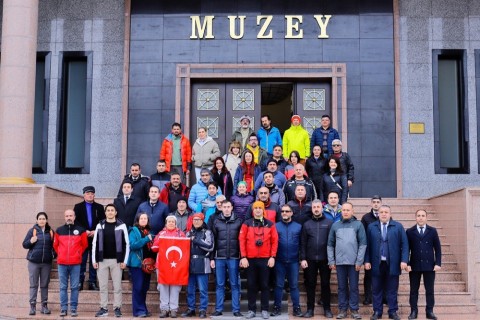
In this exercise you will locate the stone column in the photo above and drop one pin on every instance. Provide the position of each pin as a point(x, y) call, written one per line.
point(17, 90)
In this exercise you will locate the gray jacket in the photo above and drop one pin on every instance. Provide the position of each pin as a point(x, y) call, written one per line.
point(204, 154)
point(347, 243)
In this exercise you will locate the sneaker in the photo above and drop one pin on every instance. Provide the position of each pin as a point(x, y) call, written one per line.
point(163, 314)
point(117, 312)
point(297, 312)
point(250, 314)
point(173, 313)
point(101, 313)
point(342, 314)
point(73, 313)
point(265, 314)
point(356, 315)
point(276, 312)
point(63, 313)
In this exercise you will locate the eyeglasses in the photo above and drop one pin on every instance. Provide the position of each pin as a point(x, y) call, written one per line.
point(336, 145)
point(286, 210)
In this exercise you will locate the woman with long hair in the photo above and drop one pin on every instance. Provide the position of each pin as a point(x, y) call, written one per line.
point(168, 293)
point(334, 179)
point(39, 242)
point(293, 159)
point(222, 177)
point(247, 171)
point(140, 249)
point(233, 157)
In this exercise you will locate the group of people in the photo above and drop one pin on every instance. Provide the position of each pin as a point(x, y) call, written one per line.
point(254, 210)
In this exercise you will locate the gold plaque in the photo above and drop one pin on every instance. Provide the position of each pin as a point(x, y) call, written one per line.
point(417, 127)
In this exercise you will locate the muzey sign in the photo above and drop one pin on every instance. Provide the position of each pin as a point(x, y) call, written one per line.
point(204, 29)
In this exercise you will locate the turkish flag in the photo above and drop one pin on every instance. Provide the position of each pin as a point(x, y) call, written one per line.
point(173, 260)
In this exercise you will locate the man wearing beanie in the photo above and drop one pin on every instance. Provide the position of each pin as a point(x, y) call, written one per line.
point(88, 213)
point(181, 214)
point(258, 249)
point(296, 139)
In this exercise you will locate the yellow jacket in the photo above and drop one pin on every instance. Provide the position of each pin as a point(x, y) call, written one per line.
point(296, 138)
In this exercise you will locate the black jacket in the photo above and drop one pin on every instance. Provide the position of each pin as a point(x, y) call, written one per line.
point(126, 212)
point(314, 239)
point(98, 214)
point(141, 187)
point(315, 168)
point(425, 251)
point(291, 184)
point(368, 218)
point(347, 166)
point(330, 185)
point(42, 250)
point(225, 232)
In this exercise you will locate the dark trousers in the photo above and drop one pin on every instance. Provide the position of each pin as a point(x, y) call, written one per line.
point(39, 273)
point(92, 273)
point(367, 284)
point(347, 278)
point(388, 284)
point(316, 267)
point(428, 283)
point(140, 285)
point(257, 279)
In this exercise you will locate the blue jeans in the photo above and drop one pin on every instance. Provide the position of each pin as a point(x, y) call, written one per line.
point(140, 285)
point(347, 278)
point(92, 273)
point(290, 270)
point(221, 268)
point(200, 280)
point(64, 272)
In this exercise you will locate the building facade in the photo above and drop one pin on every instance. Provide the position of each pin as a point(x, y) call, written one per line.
point(399, 78)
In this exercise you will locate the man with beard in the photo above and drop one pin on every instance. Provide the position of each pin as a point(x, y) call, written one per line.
point(177, 152)
point(173, 191)
point(139, 182)
point(260, 155)
point(324, 136)
point(268, 136)
point(243, 133)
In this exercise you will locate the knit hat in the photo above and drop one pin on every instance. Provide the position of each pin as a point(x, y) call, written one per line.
point(241, 182)
point(258, 204)
point(296, 116)
point(198, 215)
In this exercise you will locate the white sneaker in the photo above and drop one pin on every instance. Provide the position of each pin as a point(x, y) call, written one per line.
point(250, 314)
point(265, 314)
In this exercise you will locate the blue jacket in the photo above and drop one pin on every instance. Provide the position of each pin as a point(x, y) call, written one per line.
point(268, 140)
point(328, 212)
point(207, 206)
point(240, 173)
point(156, 214)
point(317, 139)
point(397, 247)
point(289, 235)
point(278, 179)
point(198, 193)
point(137, 242)
point(425, 251)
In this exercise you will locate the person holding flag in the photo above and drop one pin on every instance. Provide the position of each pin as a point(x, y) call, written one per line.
point(200, 247)
point(172, 265)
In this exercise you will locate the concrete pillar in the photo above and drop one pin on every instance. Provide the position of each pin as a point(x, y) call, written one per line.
point(17, 90)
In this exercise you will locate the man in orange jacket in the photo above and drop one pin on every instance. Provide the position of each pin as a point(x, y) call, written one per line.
point(176, 151)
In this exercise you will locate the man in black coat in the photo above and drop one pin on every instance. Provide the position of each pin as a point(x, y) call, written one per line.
point(127, 204)
point(368, 218)
point(88, 213)
point(140, 183)
point(425, 259)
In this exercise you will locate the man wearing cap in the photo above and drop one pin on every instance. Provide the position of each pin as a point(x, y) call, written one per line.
point(88, 213)
point(201, 246)
point(324, 136)
point(268, 136)
point(243, 133)
point(258, 248)
point(296, 139)
point(260, 155)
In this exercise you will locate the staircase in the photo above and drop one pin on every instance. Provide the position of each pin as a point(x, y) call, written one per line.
point(451, 296)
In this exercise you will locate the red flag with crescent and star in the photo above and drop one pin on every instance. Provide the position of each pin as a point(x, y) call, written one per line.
point(173, 260)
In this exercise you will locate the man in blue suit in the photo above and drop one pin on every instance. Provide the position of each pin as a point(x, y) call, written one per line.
point(425, 259)
point(386, 256)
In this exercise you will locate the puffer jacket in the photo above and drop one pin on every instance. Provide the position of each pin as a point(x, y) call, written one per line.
point(296, 139)
point(253, 230)
point(290, 185)
point(314, 239)
point(166, 152)
point(330, 185)
point(201, 247)
point(204, 154)
point(207, 206)
point(198, 193)
point(317, 139)
point(272, 211)
point(70, 242)
point(241, 203)
point(288, 241)
point(225, 233)
point(42, 250)
point(347, 165)
point(347, 243)
point(137, 242)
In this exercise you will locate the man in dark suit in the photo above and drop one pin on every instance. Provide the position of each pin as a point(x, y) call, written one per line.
point(425, 259)
point(88, 213)
point(127, 204)
point(386, 256)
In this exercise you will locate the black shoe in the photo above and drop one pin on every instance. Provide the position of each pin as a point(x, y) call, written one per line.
point(45, 309)
point(342, 314)
point(393, 316)
point(237, 314)
point(297, 312)
point(188, 314)
point(93, 286)
point(309, 314)
point(431, 315)
point(328, 313)
point(275, 312)
point(63, 313)
point(413, 315)
point(202, 314)
point(376, 316)
point(367, 301)
point(33, 309)
point(217, 313)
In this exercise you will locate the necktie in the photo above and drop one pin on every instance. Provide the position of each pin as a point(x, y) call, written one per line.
point(383, 247)
point(421, 231)
point(384, 231)
point(126, 199)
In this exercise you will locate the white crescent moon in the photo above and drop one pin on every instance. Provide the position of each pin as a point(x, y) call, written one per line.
point(174, 248)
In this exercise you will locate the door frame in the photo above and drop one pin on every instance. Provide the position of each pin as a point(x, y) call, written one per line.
point(336, 72)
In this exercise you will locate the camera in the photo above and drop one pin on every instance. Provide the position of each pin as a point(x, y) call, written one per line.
point(259, 242)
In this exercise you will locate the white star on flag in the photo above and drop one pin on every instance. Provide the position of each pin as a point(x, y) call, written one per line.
point(173, 264)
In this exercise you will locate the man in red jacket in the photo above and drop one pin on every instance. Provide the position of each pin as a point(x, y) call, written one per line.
point(69, 244)
point(176, 151)
point(258, 248)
